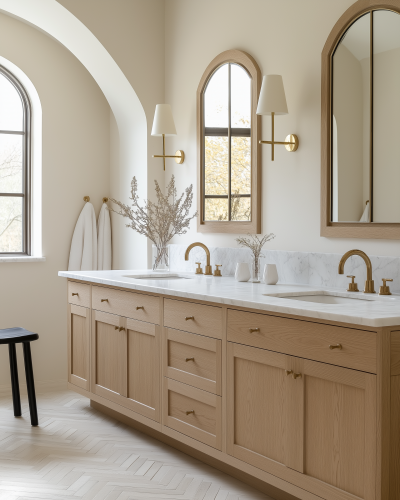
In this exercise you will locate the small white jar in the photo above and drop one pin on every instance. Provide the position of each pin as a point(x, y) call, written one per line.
point(270, 275)
point(242, 272)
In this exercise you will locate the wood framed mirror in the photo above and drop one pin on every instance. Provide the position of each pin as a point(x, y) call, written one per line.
point(360, 110)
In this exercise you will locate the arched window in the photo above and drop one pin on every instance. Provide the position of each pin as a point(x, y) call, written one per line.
point(15, 182)
point(228, 149)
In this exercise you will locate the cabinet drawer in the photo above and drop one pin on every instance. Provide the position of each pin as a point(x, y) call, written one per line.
point(193, 359)
point(129, 304)
point(79, 294)
point(192, 412)
point(194, 318)
point(305, 339)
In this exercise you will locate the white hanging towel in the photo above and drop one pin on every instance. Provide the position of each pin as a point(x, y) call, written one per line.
point(83, 253)
point(104, 239)
point(365, 215)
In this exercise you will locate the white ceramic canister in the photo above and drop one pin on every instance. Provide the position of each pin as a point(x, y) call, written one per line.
point(242, 272)
point(270, 275)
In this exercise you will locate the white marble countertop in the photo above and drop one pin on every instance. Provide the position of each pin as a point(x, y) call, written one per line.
point(372, 311)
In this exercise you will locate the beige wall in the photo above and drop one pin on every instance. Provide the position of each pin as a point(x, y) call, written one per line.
point(75, 163)
point(132, 31)
point(285, 37)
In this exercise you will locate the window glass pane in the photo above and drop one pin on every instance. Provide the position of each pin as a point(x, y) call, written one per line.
point(11, 163)
point(216, 209)
point(241, 208)
point(10, 224)
point(11, 111)
point(216, 99)
point(241, 165)
point(240, 97)
point(216, 165)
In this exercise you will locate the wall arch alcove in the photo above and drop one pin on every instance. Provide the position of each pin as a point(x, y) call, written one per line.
point(56, 21)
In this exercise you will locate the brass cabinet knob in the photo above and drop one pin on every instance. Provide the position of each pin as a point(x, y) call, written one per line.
point(199, 270)
point(139, 307)
point(353, 287)
point(121, 328)
point(217, 271)
point(189, 359)
point(189, 412)
point(288, 372)
point(384, 289)
point(189, 317)
point(296, 375)
point(77, 294)
point(251, 330)
point(116, 327)
point(335, 346)
point(104, 300)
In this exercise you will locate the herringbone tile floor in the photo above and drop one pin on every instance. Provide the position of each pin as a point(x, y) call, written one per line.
point(77, 452)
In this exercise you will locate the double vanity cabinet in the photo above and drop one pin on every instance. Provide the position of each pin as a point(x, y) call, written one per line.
point(308, 406)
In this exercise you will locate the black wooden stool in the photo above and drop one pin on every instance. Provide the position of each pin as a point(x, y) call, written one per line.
point(12, 336)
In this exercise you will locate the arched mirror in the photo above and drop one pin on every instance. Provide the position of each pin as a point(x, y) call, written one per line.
point(360, 110)
point(228, 149)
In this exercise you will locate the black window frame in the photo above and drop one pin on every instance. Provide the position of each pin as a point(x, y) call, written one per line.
point(26, 193)
point(226, 132)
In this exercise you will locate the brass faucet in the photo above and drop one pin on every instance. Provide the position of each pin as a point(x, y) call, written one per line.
point(208, 266)
point(369, 284)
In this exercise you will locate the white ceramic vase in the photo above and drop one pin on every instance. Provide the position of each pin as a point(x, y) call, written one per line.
point(270, 274)
point(242, 272)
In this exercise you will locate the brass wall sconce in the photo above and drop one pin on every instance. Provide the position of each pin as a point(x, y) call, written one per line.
point(163, 125)
point(272, 101)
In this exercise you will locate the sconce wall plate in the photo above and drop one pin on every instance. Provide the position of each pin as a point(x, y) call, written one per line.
point(179, 157)
point(294, 143)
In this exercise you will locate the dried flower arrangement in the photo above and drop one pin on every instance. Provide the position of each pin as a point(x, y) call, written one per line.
point(256, 245)
point(160, 221)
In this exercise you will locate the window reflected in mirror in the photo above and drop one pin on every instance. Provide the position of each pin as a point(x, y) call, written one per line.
point(365, 161)
point(227, 145)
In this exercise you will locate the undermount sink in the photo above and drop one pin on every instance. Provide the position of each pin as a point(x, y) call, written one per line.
point(157, 276)
point(326, 298)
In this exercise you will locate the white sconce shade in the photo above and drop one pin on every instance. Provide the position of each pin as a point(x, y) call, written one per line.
point(272, 96)
point(163, 123)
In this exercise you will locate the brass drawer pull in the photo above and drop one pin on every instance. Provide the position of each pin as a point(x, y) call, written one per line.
point(189, 317)
point(189, 412)
point(251, 330)
point(296, 375)
point(77, 294)
point(104, 300)
point(335, 346)
point(139, 307)
point(116, 327)
point(189, 359)
point(121, 328)
point(289, 372)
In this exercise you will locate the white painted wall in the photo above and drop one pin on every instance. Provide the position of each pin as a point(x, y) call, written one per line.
point(75, 163)
point(285, 37)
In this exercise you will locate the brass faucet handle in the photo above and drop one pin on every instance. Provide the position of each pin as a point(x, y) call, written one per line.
point(199, 270)
point(353, 287)
point(217, 271)
point(384, 289)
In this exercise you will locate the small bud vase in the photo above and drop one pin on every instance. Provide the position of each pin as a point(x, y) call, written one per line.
point(160, 258)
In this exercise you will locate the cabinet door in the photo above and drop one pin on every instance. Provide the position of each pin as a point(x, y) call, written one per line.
point(108, 370)
point(78, 346)
point(337, 420)
point(257, 427)
point(142, 360)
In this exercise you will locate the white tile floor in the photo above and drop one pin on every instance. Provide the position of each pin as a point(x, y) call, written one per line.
point(77, 452)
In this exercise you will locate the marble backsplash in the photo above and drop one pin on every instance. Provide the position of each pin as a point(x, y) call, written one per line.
point(306, 268)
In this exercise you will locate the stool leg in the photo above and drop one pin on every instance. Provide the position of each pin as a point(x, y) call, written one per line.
point(14, 380)
point(30, 383)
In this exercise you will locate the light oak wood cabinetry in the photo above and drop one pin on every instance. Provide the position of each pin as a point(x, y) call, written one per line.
point(78, 346)
point(308, 407)
point(310, 423)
